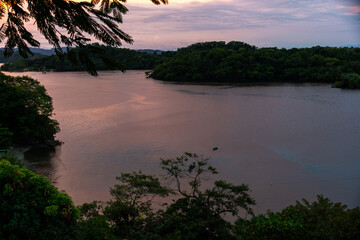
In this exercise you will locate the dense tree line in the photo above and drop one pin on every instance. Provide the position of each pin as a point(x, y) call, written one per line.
point(113, 58)
point(220, 63)
point(103, 58)
point(204, 46)
point(26, 112)
point(32, 208)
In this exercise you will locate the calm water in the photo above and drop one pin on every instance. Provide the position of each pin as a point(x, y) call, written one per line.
point(287, 142)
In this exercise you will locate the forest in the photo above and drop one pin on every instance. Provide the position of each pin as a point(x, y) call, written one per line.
point(217, 62)
point(224, 63)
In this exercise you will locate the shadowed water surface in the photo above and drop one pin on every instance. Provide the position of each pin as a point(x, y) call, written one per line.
point(287, 142)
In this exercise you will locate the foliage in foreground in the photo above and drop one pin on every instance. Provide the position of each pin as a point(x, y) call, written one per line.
point(195, 212)
point(26, 111)
point(322, 219)
point(11, 158)
point(32, 208)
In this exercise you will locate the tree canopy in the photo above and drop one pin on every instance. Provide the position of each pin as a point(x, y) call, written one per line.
point(191, 210)
point(241, 63)
point(32, 208)
point(142, 207)
point(63, 22)
point(26, 112)
point(219, 62)
point(194, 209)
point(320, 220)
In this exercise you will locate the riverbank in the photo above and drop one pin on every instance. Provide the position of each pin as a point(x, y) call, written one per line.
point(219, 62)
point(297, 139)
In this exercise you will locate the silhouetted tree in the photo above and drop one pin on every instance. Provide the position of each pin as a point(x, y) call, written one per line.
point(63, 22)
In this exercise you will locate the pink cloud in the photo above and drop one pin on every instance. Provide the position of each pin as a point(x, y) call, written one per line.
point(282, 23)
point(355, 9)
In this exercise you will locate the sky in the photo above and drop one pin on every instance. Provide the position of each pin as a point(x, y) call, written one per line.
point(280, 23)
point(264, 23)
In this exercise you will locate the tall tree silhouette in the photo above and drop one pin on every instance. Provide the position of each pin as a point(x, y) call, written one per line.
point(63, 22)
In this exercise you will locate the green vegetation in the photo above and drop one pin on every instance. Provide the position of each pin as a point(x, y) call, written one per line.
point(219, 62)
point(5, 138)
point(318, 220)
point(223, 63)
point(32, 208)
point(26, 111)
point(104, 58)
point(143, 208)
point(11, 158)
point(351, 81)
point(197, 212)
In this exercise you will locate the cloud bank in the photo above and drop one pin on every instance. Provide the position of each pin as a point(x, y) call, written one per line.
point(281, 23)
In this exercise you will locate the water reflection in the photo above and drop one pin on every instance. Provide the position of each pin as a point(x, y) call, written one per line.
point(287, 142)
point(43, 160)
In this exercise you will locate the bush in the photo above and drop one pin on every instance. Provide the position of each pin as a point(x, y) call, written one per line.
point(321, 219)
point(32, 208)
point(349, 80)
point(26, 111)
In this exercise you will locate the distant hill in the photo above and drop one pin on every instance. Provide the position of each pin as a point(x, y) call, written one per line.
point(150, 51)
point(46, 52)
point(16, 56)
point(110, 58)
point(38, 53)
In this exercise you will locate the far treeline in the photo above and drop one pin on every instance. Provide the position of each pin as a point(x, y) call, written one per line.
point(111, 59)
point(221, 62)
point(242, 63)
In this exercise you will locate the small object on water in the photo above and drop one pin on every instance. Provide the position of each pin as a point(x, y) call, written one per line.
point(215, 148)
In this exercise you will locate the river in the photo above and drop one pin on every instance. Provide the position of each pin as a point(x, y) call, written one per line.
point(286, 141)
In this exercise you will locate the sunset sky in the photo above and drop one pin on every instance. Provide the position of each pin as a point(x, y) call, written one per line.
point(280, 23)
